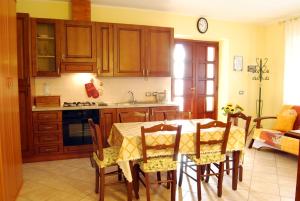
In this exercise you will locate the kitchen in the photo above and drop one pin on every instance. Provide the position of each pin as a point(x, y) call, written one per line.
point(80, 60)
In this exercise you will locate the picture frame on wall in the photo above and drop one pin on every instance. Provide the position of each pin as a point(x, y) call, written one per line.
point(238, 63)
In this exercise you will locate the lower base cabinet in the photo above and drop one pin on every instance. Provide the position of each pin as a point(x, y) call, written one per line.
point(48, 133)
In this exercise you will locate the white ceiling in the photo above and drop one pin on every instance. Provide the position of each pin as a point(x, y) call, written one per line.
point(234, 10)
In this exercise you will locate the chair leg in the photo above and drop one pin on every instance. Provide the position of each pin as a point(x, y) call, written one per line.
point(181, 171)
point(102, 183)
point(227, 165)
point(240, 173)
point(96, 179)
point(199, 182)
point(207, 172)
point(203, 168)
point(129, 191)
point(136, 181)
point(119, 174)
point(173, 186)
point(168, 178)
point(158, 176)
point(147, 182)
point(251, 144)
point(220, 179)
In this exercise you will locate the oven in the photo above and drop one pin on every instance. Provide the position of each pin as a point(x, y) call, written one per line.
point(76, 129)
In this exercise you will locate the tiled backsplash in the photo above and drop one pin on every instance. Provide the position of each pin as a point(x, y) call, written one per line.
point(70, 87)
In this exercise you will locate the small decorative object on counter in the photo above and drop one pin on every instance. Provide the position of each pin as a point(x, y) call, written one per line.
point(229, 108)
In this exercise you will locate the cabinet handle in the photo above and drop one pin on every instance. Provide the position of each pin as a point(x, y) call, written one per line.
point(48, 149)
point(143, 72)
point(63, 57)
point(48, 127)
point(58, 70)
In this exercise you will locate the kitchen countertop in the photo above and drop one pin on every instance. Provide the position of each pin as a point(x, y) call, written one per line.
point(122, 105)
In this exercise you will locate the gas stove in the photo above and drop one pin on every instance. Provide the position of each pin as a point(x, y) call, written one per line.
point(78, 104)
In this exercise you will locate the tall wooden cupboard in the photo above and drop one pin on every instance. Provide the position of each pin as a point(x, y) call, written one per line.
point(10, 149)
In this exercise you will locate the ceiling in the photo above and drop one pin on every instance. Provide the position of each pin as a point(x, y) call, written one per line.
point(233, 10)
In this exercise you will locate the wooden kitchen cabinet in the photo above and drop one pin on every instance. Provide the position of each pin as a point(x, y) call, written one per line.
point(159, 45)
point(25, 84)
point(47, 129)
point(78, 43)
point(132, 109)
point(104, 38)
point(108, 118)
point(129, 50)
point(45, 45)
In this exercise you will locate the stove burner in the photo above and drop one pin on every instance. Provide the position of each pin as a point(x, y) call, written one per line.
point(78, 104)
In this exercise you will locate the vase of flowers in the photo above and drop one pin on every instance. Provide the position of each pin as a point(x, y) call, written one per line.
point(229, 108)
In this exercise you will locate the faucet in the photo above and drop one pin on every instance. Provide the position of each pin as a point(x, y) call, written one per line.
point(132, 99)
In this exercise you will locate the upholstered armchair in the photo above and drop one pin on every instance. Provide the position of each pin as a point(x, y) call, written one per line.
point(287, 119)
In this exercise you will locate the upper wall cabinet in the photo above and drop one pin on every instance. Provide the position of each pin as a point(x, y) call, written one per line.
point(159, 51)
point(129, 50)
point(78, 46)
point(45, 46)
point(104, 35)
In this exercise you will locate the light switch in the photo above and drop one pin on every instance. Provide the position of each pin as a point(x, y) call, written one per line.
point(241, 92)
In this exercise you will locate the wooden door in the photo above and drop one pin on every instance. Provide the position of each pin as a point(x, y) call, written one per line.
point(104, 35)
point(24, 82)
point(108, 118)
point(45, 44)
point(78, 42)
point(129, 50)
point(10, 152)
point(206, 64)
point(183, 84)
point(195, 77)
point(159, 50)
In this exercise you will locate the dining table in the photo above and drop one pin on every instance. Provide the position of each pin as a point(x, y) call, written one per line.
point(128, 137)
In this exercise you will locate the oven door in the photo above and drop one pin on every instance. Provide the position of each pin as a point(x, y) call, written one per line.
point(76, 129)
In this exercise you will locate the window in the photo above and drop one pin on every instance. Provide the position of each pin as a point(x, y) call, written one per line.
point(292, 63)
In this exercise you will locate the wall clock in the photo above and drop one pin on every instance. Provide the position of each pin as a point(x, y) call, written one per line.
point(202, 25)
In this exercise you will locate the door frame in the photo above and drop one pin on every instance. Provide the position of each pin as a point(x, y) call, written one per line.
point(216, 73)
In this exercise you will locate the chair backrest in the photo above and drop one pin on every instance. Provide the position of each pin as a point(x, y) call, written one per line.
point(134, 117)
point(297, 122)
point(96, 138)
point(222, 142)
point(170, 115)
point(158, 128)
point(234, 118)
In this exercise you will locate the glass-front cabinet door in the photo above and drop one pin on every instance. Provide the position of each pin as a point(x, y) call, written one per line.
point(45, 47)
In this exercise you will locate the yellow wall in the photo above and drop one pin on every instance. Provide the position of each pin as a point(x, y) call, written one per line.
point(247, 40)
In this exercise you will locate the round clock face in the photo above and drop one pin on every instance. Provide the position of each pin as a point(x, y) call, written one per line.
point(202, 25)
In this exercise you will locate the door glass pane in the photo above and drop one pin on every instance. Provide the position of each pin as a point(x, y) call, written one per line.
point(179, 102)
point(178, 69)
point(210, 53)
point(209, 104)
point(209, 87)
point(210, 71)
point(179, 53)
point(178, 87)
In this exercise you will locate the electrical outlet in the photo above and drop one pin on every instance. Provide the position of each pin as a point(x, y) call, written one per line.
point(148, 94)
point(241, 92)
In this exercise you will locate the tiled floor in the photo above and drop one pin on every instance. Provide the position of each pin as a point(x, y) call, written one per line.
point(268, 176)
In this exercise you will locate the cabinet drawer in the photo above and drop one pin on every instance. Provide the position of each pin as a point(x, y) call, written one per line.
point(47, 116)
point(47, 139)
point(47, 126)
point(48, 149)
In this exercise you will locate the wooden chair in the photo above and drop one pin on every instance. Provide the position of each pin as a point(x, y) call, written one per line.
point(163, 163)
point(234, 118)
point(170, 115)
point(202, 161)
point(103, 158)
point(133, 117)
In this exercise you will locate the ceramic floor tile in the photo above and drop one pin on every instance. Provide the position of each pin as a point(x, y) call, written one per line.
point(267, 176)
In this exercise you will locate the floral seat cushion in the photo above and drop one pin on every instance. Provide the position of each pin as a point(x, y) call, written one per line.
point(208, 158)
point(158, 164)
point(110, 156)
